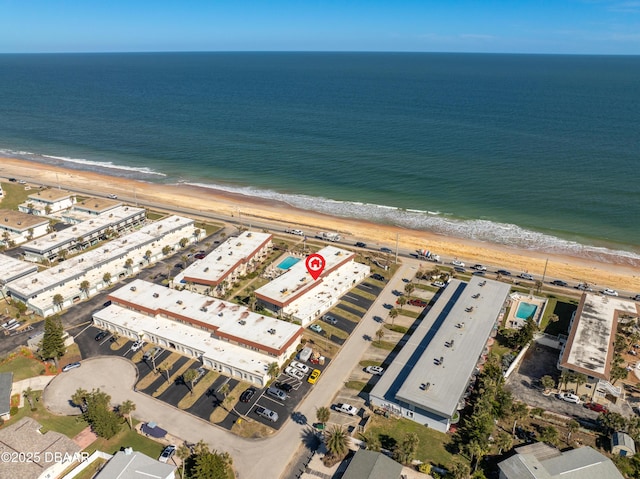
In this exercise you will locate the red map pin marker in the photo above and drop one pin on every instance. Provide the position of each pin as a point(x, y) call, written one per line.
point(315, 265)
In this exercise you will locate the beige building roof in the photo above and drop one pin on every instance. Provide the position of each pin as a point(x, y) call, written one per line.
point(18, 221)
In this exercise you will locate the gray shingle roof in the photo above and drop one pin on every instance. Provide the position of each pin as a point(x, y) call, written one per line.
point(6, 383)
point(372, 465)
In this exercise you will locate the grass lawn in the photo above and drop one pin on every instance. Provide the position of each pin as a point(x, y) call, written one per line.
point(155, 215)
point(564, 310)
point(320, 343)
point(251, 429)
point(14, 194)
point(22, 368)
point(165, 385)
point(199, 389)
point(127, 438)
point(397, 328)
point(409, 314)
point(92, 469)
point(359, 386)
point(333, 331)
point(426, 287)
point(432, 444)
point(384, 345)
point(368, 362)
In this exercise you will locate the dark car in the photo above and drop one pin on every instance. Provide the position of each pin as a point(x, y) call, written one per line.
point(284, 386)
point(107, 303)
point(384, 249)
point(596, 407)
point(503, 272)
point(459, 269)
point(360, 244)
point(377, 277)
point(101, 335)
point(418, 302)
point(200, 256)
point(558, 282)
point(12, 180)
point(247, 395)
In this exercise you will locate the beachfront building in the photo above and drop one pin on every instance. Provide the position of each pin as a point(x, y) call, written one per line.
point(49, 291)
point(130, 464)
point(589, 348)
point(88, 209)
point(433, 373)
point(541, 461)
point(12, 269)
point(299, 297)
point(226, 337)
point(83, 235)
point(220, 269)
point(17, 227)
point(46, 202)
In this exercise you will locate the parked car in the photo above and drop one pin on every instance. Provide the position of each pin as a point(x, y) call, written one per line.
point(199, 256)
point(313, 377)
point(360, 244)
point(478, 273)
point(70, 366)
point(459, 269)
point(284, 386)
point(527, 276)
point(559, 282)
point(112, 196)
point(636, 297)
point(438, 284)
point(101, 335)
point(302, 367)
point(584, 287)
point(266, 413)
point(277, 393)
point(347, 409)
point(152, 353)
point(376, 370)
point(107, 303)
point(316, 328)
point(167, 453)
point(384, 249)
point(418, 302)
point(479, 267)
point(610, 292)
point(201, 372)
point(503, 272)
point(294, 373)
point(458, 263)
point(569, 397)
point(329, 319)
point(596, 407)
point(247, 395)
point(137, 345)
point(377, 277)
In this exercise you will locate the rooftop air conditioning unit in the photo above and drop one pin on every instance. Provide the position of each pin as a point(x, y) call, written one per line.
point(242, 322)
point(133, 288)
point(156, 295)
point(179, 301)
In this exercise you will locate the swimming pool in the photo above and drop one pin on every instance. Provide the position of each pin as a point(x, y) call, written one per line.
point(526, 310)
point(288, 262)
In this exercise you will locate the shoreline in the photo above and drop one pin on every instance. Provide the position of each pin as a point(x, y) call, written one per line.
point(206, 200)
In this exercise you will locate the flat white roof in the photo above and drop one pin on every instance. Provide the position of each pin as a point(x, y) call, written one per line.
point(11, 268)
point(228, 319)
point(86, 228)
point(297, 279)
point(590, 342)
point(195, 338)
point(416, 364)
point(214, 267)
point(77, 266)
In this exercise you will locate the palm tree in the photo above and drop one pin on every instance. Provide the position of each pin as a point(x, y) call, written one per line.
point(106, 278)
point(58, 301)
point(477, 451)
point(224, 390)
point(126, 408)
point(323, 414)
point(565, 377)
point(185, 259)
point(393, 314)
point(519, 411)
point(79, 397)
point(402, 300)
point(166, 250)
point(253, 300)
point(189, 376)
point(29, 395)
point(147, 256)
point(504, 442)
point(84, 287)
point(549, 435)
point(273, 370)
point(547, 382)
point(337, 441)
point(127, 264)
point(371, 441)
point(183, 453)
point(579, 379)
point(380, 335)
point(183, 242)
point(460, 470)
point(409, 288)
point(572, 426)
point(405, 451)
point(164, 368)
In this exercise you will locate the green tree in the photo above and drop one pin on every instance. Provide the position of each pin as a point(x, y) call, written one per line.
point(29, 395)
point(476, 451)
point(380, 335)
point(103, 419)
point(409, 288)
point(126, 408)
point(617, 373)
point(79, 397)
point(323, 414)
point(519, 411)
point(371, 440)
point(579, 379)
point(549, 435)
point(504, 442)
point(52, 345)
point(402, 300)
point(84, 287)
point(547, 383)
point(183, 452)
point(337, 441)
point(406, 450)
point(210, 464)
point(612, 422)
point(106, 278)
point(273, 370)
point(459, 470)
point(393, 314)
point(190, 376)
point(166, 250)
point(58, 301)
point(183, 242)
point(572, 426)
point(565, 377)
point(147, 256)
point(252, 301)
point(165, 367)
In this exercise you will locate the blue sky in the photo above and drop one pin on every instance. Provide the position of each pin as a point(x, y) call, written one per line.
point(515, 26)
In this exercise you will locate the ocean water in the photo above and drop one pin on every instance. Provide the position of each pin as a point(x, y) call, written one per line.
point(532, 151)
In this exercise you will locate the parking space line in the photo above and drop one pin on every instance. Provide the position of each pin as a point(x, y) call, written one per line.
point(88, 326)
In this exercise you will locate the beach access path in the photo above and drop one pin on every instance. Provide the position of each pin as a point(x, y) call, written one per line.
point(270, 457)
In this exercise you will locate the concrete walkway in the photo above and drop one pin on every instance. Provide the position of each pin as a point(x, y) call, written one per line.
point(37, 383)
point(268, 458)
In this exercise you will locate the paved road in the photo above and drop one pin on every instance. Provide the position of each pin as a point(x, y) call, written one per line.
point(252, 458)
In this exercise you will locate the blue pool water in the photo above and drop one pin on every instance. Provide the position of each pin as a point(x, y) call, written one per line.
point(288, 262)
point(526, 310)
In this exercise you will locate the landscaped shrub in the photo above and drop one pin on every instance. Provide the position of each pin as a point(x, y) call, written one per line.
point(14, 410)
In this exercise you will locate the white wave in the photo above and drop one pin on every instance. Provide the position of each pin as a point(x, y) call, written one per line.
point(478, 229)
point(79, 161)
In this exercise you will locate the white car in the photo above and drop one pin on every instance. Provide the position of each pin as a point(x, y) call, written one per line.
point(294, 373)
point(479, 267)
point(438, 284)
point(137, 345)
point(610, 292)
point(347, 409)
point(112, 196)
point(376, 370)
point(459, 263)
point(302, 367)
point(569, 397)
point(527, 276)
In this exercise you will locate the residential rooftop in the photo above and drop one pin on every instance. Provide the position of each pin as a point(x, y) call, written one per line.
point(218, 264)
point(433, 369)
point(18, 221)
point(6, 384)
point(50, 195)
point(96, 205)
point(589, 348)
point(12, 269)
point(226, 319)
point(296, 281)
point(134, 465)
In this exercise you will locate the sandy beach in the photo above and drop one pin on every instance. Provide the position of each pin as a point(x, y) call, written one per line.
point(227, 205)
